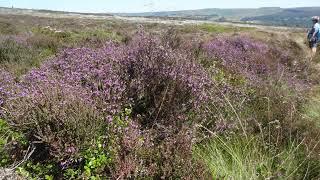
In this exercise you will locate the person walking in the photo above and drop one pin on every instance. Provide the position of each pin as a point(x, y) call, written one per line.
point(314, 35)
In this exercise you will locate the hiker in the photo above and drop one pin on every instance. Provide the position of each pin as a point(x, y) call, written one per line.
point(314, 35)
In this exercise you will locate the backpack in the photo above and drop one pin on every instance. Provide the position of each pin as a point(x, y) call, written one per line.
point(317, 38)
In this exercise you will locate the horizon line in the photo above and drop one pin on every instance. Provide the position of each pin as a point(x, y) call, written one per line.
point(79, 12)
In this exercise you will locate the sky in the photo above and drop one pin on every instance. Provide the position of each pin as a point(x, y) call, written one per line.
point(105, 6)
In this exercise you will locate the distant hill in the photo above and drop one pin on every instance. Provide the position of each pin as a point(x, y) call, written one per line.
point(6, 10)
point(294, 17)
point(234, 14)
point(298, 17)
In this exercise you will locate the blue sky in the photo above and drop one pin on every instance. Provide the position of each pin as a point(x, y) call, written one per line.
point(150, 5)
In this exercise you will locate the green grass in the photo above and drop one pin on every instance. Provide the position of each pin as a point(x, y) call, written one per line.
point(311, 109)
point(18, 58)
point(94, 34)
point(8, 139)
point(7, 28)
point(75, 37)
point(213, 28)
point(241, 158)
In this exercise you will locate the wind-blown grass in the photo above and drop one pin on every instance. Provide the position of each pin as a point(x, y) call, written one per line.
point(249, 158)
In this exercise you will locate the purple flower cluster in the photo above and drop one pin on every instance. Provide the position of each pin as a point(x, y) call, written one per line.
point(241, 54)
point(90, 74)
point(8, 88)
point(111, 77)
point(153, 66)
point(159, 83)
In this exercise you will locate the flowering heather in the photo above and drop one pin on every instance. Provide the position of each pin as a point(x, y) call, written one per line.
point(66, 101)
point(112, 75)
point(4, 80)
point(8, 88)
point(163, 77)
point(144, 97)
point(254, 59)
point(91, 73)
point(71, 97)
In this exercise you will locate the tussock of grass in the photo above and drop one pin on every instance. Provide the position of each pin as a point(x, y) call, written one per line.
point(311, 110)
point(240, 158)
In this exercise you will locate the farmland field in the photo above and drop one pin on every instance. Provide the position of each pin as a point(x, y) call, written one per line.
point(108, 97)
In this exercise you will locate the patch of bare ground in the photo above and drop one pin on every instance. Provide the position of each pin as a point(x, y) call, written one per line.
point(7, 174)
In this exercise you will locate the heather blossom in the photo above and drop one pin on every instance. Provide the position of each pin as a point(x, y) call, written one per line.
point(253, 59)
point(8, 88)
point(75, 94)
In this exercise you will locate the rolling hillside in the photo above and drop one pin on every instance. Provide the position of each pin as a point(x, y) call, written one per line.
point(298, 17)
point(212, 13)
point(287, 17)
point(276, 16)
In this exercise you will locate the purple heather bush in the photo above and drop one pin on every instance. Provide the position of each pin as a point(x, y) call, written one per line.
point(9, 89)
point(5, 80)
point(166, 82)
point(66, 101)
point(250, 58)
point(75, 97)
point(268, 86)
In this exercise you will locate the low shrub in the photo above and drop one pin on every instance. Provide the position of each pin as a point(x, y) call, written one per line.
point(8, 88)
point(18, 55)
point(44, 42)
point(77, 96)
point(11, 51)
point(263, 76)
point(159, 78)
point(7, 28)
point(57, 119)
